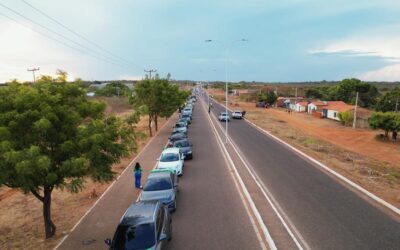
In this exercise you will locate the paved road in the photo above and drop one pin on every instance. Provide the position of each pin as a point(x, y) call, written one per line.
point(101, 221)
point(327, 214)
point(210, 213)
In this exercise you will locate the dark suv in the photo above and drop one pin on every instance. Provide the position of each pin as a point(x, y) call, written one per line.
point(145, 225)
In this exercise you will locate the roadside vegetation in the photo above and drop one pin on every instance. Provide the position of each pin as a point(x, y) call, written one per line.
point(374, 164)
point(55, 140)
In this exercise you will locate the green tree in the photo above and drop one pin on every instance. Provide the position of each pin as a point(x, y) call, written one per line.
point(114, 89)
point(347, 89)
point(261, 97)
point(157, 97)
point(313, 93)
point(387, 121)
point(271, 98)
point(346, 118)
point(388, 101)
point(51, 136)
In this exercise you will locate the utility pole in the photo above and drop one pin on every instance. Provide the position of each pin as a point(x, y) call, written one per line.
point(355, 112)
point(150, 71)
point(33, 72)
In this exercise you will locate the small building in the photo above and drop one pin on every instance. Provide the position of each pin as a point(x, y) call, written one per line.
point(316, 106)
point(288, 102)
point(332, 110)
point(301, 106)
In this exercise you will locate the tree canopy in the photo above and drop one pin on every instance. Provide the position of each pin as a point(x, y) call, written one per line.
point(389, 101)
point(157, 97)
point(387, 121)
point(51, 136)
point(114, 89)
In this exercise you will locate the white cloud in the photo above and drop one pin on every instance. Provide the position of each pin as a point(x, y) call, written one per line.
point(389, 73)
point(22, 48)
point(385, 47)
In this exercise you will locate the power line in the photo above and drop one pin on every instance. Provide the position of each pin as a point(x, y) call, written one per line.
point(33, 72)
point(58, 34)
point(59, 41)
point(79, 35)
point(150, 71)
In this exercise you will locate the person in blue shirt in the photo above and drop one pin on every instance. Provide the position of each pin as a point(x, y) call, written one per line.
point(138, 175)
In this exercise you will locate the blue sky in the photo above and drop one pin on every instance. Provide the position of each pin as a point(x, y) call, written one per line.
point(290, 40)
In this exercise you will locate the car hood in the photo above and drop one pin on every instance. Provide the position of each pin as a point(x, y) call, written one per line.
point(163, 195)
point(171, 165)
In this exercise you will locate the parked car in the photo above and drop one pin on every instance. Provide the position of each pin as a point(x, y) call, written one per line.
point(144, 225)
point(161, 185)
point(185, 147)
point(224, 117)
point(180, 124)
point(179, 130)
point(171, 158)
point(187, 117)
point(176, 137)
point(261, 105)
point(181, 120)
point(237, 114)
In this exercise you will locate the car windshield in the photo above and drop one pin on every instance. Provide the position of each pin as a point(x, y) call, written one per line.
point(180, 144)
point(180, 125)
point(185, 116)
point(134, 237)
point(168, 157)
point(157, 184)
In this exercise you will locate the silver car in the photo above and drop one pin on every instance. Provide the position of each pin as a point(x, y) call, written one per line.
point(161, 185)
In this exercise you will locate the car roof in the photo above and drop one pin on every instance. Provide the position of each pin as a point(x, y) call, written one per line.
point(171, 150)
point(238, 111)
point(181, 140)
point(178, 135)
point(140, 213)
point(161, 174)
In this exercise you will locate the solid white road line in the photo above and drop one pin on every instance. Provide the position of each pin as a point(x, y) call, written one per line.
point(255, 211)
point(109, 187)
point(271, 200)
point(334, 173)
point(328, 169)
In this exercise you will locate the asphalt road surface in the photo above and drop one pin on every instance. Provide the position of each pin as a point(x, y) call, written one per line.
point(326, 213)
point(210, 213)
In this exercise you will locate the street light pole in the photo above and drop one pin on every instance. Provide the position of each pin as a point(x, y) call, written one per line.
point(226, 80)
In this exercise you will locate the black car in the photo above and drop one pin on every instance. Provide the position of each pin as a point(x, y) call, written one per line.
point(185, 147)
point(145, 225)
point(176, 137)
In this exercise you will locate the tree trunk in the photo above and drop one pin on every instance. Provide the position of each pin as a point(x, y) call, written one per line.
point(386, 133)
point(156, 122)
point(150, 119)
point(50, 228)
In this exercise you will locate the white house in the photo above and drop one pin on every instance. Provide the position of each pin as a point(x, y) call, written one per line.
point(316, 106)
point(300, 106)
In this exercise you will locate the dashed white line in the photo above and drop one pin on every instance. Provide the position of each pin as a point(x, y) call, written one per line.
point(255, 211)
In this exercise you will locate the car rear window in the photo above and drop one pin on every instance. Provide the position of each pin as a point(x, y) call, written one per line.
point(180, 144)
point(135, 237)
point(158, 184)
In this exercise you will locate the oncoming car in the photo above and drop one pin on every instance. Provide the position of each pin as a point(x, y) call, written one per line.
point(224, 117)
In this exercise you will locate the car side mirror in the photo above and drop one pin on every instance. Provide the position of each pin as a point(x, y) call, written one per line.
point(108, 242)
point(162, 237)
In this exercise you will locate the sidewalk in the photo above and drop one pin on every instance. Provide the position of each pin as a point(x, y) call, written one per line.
point(100, 223)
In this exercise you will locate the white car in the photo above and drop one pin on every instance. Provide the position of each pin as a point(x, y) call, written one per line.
point(224, 117)
point(237, 114)
point(171, 158)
